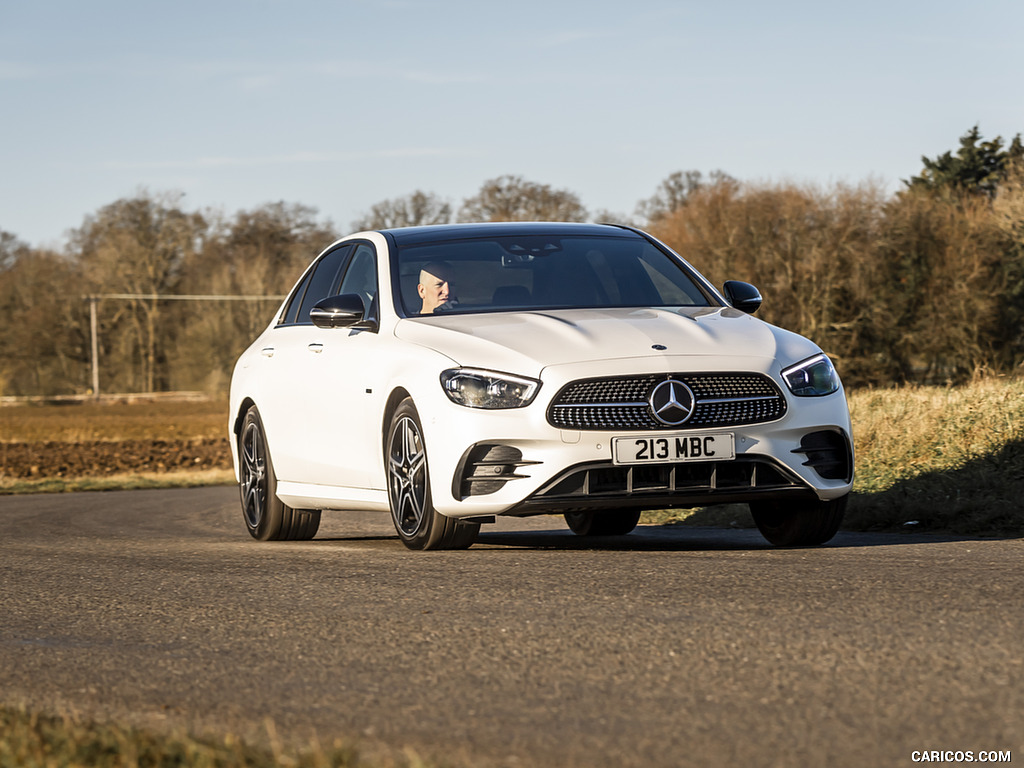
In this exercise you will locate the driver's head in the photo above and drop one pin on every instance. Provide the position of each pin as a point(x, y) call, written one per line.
point(433, 287)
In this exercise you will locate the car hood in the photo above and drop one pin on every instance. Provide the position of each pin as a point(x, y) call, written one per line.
point(528, 342)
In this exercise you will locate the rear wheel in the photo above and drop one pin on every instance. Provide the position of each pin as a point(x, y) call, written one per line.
point(798, 524)
point(267, 518)
point(418, 524)
point(616, 522)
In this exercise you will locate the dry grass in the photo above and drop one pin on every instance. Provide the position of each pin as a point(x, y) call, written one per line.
point(911, 431)
point(79, 422)
point(31, 740)
point(940, 458)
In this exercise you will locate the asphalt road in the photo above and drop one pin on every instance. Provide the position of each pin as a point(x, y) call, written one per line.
point(670, 647)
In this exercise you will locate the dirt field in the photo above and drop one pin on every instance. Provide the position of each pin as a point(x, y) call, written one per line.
point(103, 439)
point(99, 458)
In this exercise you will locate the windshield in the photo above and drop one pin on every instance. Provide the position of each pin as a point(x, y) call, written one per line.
point(539, 272)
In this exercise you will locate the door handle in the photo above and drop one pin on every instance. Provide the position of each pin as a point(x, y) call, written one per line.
point(267, 351)
point(316, 347)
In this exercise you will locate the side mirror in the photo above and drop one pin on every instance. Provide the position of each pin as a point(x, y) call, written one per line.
point(342, 311)
point(742, 296)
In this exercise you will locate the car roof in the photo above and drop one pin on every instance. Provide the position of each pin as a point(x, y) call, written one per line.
point(429, 234)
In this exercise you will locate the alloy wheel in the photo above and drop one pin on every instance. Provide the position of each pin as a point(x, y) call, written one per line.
point(407, 476)
point(254, 476)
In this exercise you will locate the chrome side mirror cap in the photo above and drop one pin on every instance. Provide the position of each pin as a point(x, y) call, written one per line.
point(344, 311)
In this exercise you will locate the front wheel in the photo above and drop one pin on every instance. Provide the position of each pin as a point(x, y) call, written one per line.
point(267, 518)
point(800, 523)
point(616, 522)
point(418, 524)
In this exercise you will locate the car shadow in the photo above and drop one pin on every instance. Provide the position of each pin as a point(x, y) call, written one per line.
point(688, 538)
point(645, 538)
point(652, 538)
point(360, 539)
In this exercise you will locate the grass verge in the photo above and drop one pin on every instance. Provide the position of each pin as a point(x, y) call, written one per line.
point(940, 458)
point(31, 740)
point(120, 482)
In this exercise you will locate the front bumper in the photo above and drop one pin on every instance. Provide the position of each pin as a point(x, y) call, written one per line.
point(515, 462)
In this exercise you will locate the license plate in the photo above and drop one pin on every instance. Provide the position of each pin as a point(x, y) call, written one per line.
point(665, 449)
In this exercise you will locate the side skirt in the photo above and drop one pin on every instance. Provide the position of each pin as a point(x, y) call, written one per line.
point(311, 496)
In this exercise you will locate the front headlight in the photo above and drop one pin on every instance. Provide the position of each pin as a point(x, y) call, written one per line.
point(487, 389)
point(814, 377)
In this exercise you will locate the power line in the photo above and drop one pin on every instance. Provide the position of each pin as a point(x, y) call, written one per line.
point(182, 297)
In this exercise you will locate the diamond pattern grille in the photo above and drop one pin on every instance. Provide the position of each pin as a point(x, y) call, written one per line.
point(722, 400)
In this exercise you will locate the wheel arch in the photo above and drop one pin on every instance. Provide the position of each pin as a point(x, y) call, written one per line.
point(243, 408)
point(236, 434)
point(398, 394)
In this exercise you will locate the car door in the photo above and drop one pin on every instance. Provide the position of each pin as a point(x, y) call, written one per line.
point(343, 386)
point(290, 361)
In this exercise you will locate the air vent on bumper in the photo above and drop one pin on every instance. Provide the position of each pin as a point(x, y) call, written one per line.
point(485, 469)
point(828, 453)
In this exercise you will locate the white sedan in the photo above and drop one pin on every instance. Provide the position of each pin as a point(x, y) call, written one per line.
point(451, 374)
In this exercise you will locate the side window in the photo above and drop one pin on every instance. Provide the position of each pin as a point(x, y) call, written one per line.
point(361, 275)
point(321, 283)
point(292, 308)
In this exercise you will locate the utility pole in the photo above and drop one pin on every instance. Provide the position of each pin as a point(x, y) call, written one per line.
point(95, 346)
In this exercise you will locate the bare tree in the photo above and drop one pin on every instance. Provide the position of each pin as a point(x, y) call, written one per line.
point(604, 216)
point(812, 252)
point(414, 210)
point(137, 246)
point(1009, 202)
point(257, 252)
point(676, 190)
point(513, 198)
point(10, 249)
point(44, 346)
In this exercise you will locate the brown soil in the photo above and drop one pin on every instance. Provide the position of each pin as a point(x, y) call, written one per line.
point(101, 458)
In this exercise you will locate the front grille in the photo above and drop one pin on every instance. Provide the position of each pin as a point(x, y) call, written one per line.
point(721, 400)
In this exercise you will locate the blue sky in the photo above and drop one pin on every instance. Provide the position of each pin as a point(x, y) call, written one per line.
point(339, 105)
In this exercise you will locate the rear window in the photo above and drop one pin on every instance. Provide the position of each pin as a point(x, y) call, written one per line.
point(538, 272)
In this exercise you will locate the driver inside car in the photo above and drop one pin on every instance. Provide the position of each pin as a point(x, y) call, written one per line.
point(434, 287)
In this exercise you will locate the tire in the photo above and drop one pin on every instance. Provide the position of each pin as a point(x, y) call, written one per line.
point(617, 522)
point(418, 524)
point(266, 517)
point(798, 524)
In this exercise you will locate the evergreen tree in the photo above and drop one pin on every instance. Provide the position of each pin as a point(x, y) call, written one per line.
point(977, 168)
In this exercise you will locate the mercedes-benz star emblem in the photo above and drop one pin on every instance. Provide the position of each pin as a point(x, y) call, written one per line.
point(672, 402)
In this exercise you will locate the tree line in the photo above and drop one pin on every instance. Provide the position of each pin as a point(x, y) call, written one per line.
point(925, 284)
